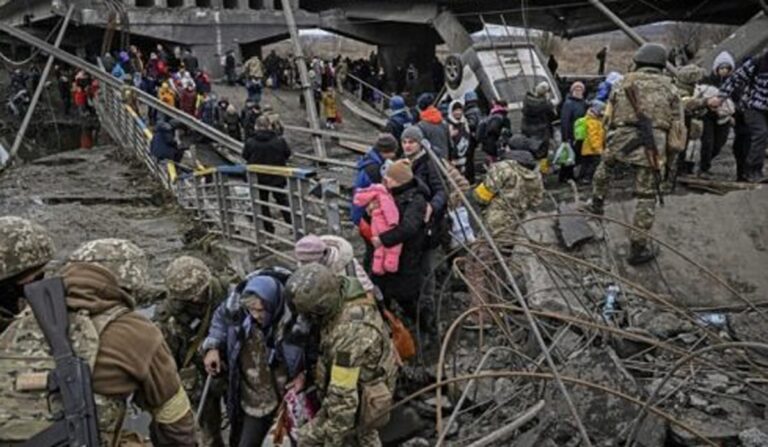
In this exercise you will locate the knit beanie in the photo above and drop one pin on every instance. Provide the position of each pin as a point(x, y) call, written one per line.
point(386, 143)
point(425, 100)
point(577, 84)
point(412, 133)
point(310, 249)
point(400, 171)
point(542, 88)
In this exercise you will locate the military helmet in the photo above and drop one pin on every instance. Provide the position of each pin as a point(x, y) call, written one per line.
point(314, 289)
point(653, 54)
point(23, 245)
point(690, 74)
point(122, 257)
point(187, 278)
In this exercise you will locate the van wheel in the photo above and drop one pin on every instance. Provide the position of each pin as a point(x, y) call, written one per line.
point(453, 70)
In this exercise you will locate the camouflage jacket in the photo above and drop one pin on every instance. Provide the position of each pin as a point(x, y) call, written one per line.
point(355, 350)
point(509, 190)
point(184, 325)
point(659, 99)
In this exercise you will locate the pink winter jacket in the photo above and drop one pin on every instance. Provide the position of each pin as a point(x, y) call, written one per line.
point(384, 217)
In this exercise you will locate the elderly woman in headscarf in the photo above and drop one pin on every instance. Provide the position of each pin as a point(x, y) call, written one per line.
point(260, 356)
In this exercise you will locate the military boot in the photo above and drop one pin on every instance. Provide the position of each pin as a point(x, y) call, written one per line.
point(595, 206)
point(640, 253)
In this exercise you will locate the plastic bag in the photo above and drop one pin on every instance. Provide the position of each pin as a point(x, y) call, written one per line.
point(297, 408)
point(564, 156)
point(461, 228)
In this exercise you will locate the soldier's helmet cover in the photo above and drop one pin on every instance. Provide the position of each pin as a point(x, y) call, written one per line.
point(314, 290)
point(122, 257)
point(23, 245)
point(690, 74)
point(187, 278)
point(653, 54)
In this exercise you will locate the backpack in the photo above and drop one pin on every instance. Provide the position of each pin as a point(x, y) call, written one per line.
point(580, 129)
point(25, 362)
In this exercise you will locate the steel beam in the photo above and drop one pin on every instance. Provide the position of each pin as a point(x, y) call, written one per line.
point(39, 88)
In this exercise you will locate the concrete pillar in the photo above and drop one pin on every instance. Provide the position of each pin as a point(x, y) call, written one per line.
point(452, 32)
point(161, 3)
point(189, 4)
point(209, 59)
point(268, 4)
point(748, 40)
point(217, 4)
point(129, 3)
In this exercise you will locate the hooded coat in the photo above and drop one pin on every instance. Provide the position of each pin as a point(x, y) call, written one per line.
point(133, 358)
point(538, 114)
point(237, 334)
point(163, 145)
point(435, 130)
point(397, 122)
point(724, 58)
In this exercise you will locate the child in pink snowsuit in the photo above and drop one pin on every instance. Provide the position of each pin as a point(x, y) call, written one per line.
point(384, 217)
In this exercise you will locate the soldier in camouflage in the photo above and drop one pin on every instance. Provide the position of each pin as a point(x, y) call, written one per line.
point(512, 186)
point(25, 249)
point(125, 350)
point(192, 295)
point(356, 372)
point(659, 100)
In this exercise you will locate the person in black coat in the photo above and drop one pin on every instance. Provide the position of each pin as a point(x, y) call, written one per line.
point(266, 147)
point(411, 197)
point(415, 148)
point(574, 108)
point(538, 115)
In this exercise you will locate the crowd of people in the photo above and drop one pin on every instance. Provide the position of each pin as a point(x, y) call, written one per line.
point(313, 354)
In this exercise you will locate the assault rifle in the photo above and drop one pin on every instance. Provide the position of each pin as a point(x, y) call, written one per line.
point(645, 131)
point(78, 424)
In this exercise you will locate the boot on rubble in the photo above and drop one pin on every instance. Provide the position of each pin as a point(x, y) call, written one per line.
point(640, 253)
point(595, 206)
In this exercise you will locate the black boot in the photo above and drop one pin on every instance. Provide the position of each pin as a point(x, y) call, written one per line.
point(640, 253)
point(596, 206)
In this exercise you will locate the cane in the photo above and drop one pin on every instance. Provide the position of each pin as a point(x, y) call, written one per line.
point(202, 399)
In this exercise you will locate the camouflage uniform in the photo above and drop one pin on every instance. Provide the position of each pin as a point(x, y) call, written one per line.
point(97, 279)
point(508, 191)
point(192, 296)
point(24, 245)
point(356, 356)
point(660, 102)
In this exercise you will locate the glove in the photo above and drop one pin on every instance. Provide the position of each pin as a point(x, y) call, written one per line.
point(365, 230)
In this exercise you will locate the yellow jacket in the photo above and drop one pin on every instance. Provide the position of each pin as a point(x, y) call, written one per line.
point(329, 105)
point(594, 143)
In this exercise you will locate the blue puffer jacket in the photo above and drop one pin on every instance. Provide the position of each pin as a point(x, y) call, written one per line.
point(397, 123)
point(368, 173)
point(163, 145)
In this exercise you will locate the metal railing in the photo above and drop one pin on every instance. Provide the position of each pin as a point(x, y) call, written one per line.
point(377, 98)
point(229, 200)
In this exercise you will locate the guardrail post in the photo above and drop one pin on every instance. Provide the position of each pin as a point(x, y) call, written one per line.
point(198, 199)
point(255, 211)
point(330, 191)
point(293, 202)
point(217, 181)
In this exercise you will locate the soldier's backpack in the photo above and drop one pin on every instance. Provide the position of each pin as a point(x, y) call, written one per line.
point(25, 361)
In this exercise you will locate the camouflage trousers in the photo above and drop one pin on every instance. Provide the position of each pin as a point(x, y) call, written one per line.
point(210, 417)
point(645, 192)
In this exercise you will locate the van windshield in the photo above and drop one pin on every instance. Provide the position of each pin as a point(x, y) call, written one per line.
point(514, 89)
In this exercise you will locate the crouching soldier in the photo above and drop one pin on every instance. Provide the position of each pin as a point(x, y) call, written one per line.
point(356, 371)
point(124, 350)
point(193, 294)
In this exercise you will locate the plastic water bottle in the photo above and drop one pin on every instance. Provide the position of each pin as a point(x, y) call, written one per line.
point(610, 306)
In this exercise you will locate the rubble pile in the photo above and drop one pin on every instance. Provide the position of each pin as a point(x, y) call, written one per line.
point(642, 364)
